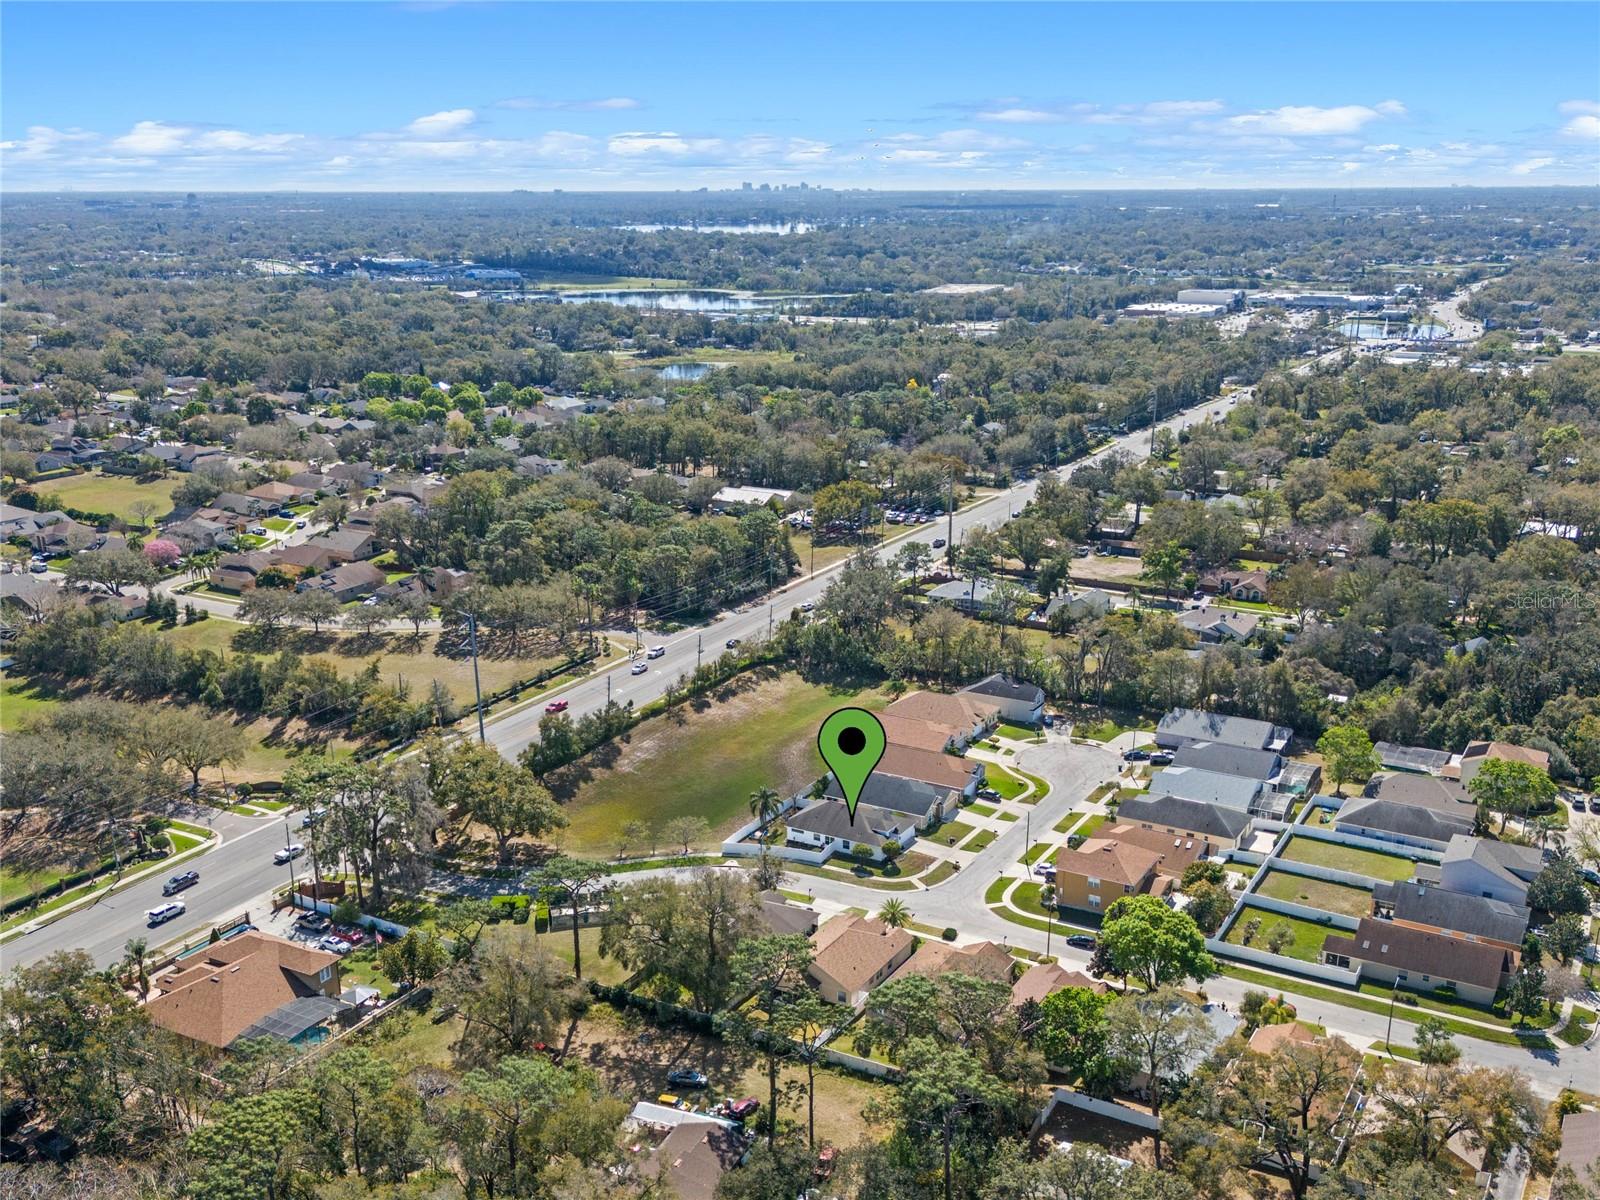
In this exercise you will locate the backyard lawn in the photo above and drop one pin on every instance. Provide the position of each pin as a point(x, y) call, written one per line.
point(20, 701)
point(1391, 867)
point(1308, 935)
point(114, 494)
point(703, 760)
point(1317, 893)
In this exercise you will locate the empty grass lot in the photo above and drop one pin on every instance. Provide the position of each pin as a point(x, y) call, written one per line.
point(114, 494)
point(1317, 893)
point(1349, 858)
point(1308, 935)
point(702, 760)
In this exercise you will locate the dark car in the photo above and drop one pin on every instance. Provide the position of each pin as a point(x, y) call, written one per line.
point(1161, 759)
point(938, 543)
point(178, 882)
point(733, 643)
point(686, 1079)
point(1082, 941)
point(1135, 755)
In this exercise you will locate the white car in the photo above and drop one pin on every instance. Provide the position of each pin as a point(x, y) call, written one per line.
point(162, 913)
point(807, 606)
point(638, 669)
point(286, 853)
point(300, 523)
point(258, 530)
point(657, 652)
point(335, 945)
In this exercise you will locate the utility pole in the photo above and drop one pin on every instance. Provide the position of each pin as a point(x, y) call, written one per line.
point(286, 844)
point(699, 645)
point(950, 526)
point(769, 620)
point(608, 690)
point(477, 687)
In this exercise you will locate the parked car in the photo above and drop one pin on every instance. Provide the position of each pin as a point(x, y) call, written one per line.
point(162, 913)
point(988, 794)
point(258, 530)
point(313, 922)
point(1082, 941)
point(287, 853)
point(178, 882)
point(1578, 804)
point(656, 652)
point(938, 543)
point(37, 567)
point(1161, 759)
point(335, 945)
point(685, 1078)
point(639, 668)
point(556, 706)
point(1044, 869)
point(312, 817)
point(1136, 756)
point(299, 522)
point(743, 1110)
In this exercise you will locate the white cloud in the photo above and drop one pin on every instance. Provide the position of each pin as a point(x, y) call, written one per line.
point(440, 124)
point(1307, 120)
point(1155, 112)
point(1530, 165)
point(1586, 125)
point(674, 145)
point(1022, 116)
point(1580, 107)
point(152, 137)
point(604, 104)
point(42, 142)
point(237, 140)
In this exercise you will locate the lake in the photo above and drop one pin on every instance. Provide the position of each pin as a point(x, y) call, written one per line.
point(687, 372)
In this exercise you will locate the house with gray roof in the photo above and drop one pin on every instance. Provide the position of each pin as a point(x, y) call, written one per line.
point(971, 596)
point(1184, 725)
point(1402, 824)
point(1494, 870)
point(1424, 791)
point(1264, 765)
point(1212, 787)
point(828, 825)
point(1018, 701)
point(1214, 626)
point(1473, 917)
point(1224, 827)
point(927, 803)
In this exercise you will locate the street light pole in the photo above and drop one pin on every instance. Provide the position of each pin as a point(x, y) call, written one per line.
point(1389, 1032)
point(477, 687)
point(287, 845)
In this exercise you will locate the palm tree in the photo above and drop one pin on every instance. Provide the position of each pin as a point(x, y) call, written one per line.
point(1548, 829)
point(764, 804)
point(895, 914)
point(135, 961)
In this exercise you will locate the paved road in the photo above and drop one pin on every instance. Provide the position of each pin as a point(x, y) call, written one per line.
point(232, 876)
point(513, 731)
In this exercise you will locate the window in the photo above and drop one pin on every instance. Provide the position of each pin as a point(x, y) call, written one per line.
point(325, 974)
point(1095, 901)
point(1094, 884)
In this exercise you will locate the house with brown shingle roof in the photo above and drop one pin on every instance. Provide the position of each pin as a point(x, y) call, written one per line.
point(1478, 753)
point(1102, 871)
point(1269, 1037)
point(968, 716)
point(693, 1157)
point(851, 955)
point(931, 767)
point(1422, 960)
point(983, 960)
point(917, 734)
point(1043, 980)
point(217, 995)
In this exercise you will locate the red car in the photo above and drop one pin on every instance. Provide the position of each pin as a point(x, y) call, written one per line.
point(743, 1110)
point(556, 706)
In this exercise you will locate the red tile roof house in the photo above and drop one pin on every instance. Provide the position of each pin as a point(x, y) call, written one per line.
point(223, 992)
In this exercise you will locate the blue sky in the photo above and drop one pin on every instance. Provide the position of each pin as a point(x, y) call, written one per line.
point(483, 96)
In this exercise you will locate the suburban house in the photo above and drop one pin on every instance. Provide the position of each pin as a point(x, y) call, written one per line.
point(780, 915)
point(1421, 959)
point(1079, 606)
point(1225, 828)
point(198, 534)
point(694, 1156)
point(1418, 759)
point(277, 495)
point(1044, 979)
point(346, 582)
point(1250, 586)
point(931, 767)
point(1213, 787)
point(970, 596)
point(357, 474)
point(983, 960)
point(537, 466)
point(926, 803)
point(439, 584)
point(919, 735)
point(1426, 791)
point(1240, 761)
point(1478, 753)
point(826, 825)
point(1020, 703)
point(1122, 860)
point(967, 716)
point(346, 545)
point(238, 572)
point(65, 537)
point(1480, 867)
point(1182, 726)
point(245, 506)
point(1268, 1038)
point(24, 522)
point(1580, 1145)
point(1403, 824)
point(315, 481)
point(1213, 626)
point(304, 559)
point(1474, 918)
point(367, 518)
point(251, 985)
point(28, 597)
point(851, 955)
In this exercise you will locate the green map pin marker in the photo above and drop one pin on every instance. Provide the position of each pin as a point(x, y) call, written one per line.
point(851, 741)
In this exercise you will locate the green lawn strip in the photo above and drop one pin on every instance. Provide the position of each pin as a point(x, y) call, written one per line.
point(1391, 867)
point(982, 840)
point(1034, 852)
point(677, 860)
point(940, 873)
point(882, 885)
point(1041, 789)
point(1104, 731)
point(1002, 780)
point(797, 897)
point(1093, 823)
point(187, 827)
point(1578, 1027)
point(1016, 733)
point(997, 890)
point(1349, 999)
point(93, 887)
point(1068, 821)
point(1460, 1008)
point(952, 833)
point(982, 810)
point(271, 805)
point(278, 524)
point(1007, 816)
point(1317, 893)
point(184, 841)
point(1308, 935)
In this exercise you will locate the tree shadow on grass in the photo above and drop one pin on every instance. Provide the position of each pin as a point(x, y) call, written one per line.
point(565, 782)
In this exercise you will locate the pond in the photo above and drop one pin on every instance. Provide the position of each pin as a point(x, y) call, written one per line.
point(694, 301)
point(687, 372)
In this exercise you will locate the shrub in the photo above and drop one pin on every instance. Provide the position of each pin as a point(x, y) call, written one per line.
point(949, 934)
